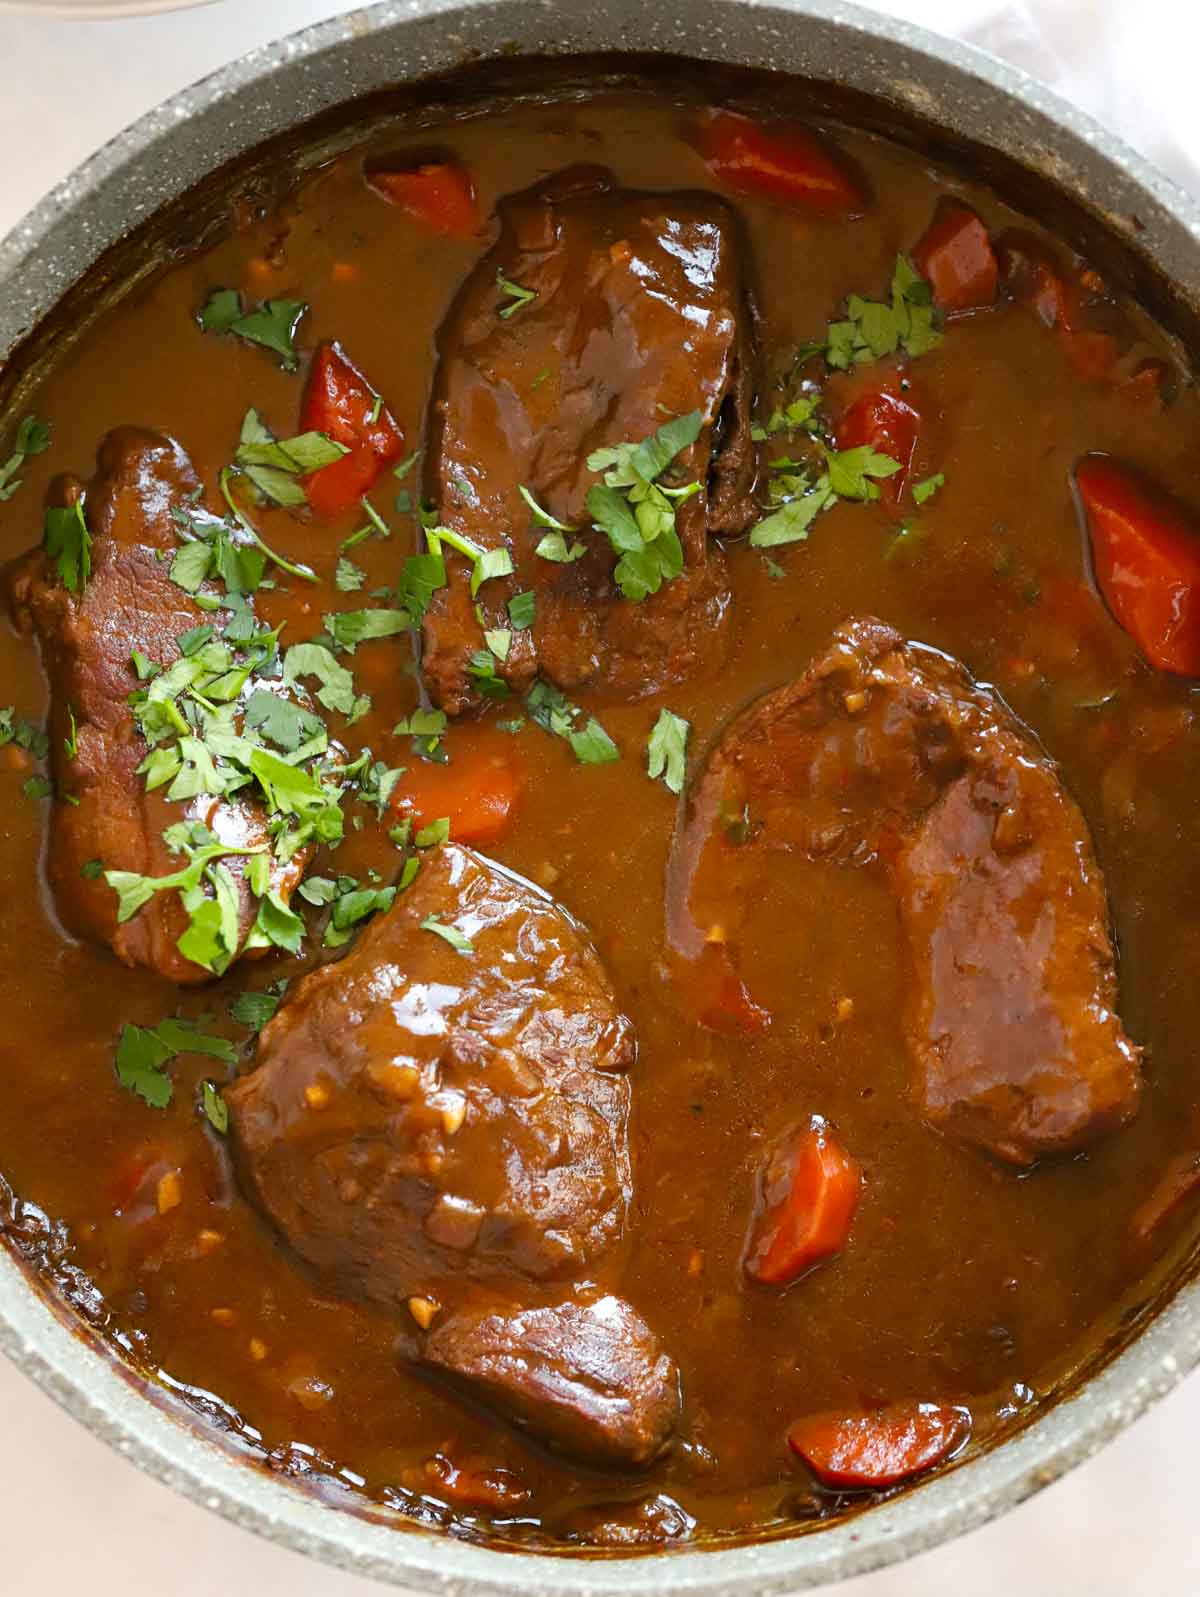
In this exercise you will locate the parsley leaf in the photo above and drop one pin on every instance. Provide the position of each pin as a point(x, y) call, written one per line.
point(554, 547)
point(215, 1108)
point(636, 512)
point(521, 609)
point(420, 578)
point(873, 328)
point(347, 577)
point(349, 628)
point(143, 1052)
point(666, 751)
point(141, 1055)
point(32, 437)
point(926, 490)
point(542, 518)
point(253, 1009)
point(336, 691)
point(791, 522)
point(853, 473)
point(272, 325)
point(69, 544)
point(593, 746)
point(449, 934)
point(515, 293)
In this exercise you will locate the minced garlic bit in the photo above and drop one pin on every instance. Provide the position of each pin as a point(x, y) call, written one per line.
point(453, 1114)
point(845, 1009)
point(715, 933)
point(170, 1191)
point(855, 702)
point(223, 1317)
point(207, 1241)
point(258, 1348)
point(423, 1311)
point(317, 1095)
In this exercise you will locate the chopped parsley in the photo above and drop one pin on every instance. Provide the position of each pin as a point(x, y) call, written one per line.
point(590, 743)
point(666, 750)
point(517, 296)
point(637, 512)
point(347, 577)
point(926, 490)
point(872, 329)
point(522, 608)
point(272, 324)
point(481, 668)
point(69, 544)
point(254, 1009)
point(215, 1108)
point(426, 728)
point(349, 628)
point(449, 934)
point(554, 547)
point(485, 563)
point(37, 787)
point(436, 833)
point(144, 1052)
point(275, 465)
point(798, 499)
point(32, 437)
point(420, 578)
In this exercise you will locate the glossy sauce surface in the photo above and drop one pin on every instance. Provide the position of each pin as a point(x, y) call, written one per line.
point(965, 1282)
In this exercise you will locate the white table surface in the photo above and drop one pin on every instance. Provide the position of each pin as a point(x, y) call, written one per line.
point(74, 1516)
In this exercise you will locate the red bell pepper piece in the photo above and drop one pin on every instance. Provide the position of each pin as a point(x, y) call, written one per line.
point(808, 1195)
point(955, 257)
point(439, 195)
point(1147, 383)
point(1092, 354)
point(1178, 1183)
point(1033, 276)
point(889, 424)
point(478, 789)
point(879, 1448)
point(783, 162)
point(340, 401)
point(1146, 558)
point(727, 1005)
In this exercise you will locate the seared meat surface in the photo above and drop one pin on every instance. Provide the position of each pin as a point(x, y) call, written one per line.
point(885, 752)
point(87, 641)
point(640, 315)
point(424, 1118)
point(586, 1375)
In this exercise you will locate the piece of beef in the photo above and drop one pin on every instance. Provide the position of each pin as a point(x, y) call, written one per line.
point(87, 640)
point(420, 1115)
point(450, 1129)
point(888, 753)
point(586, 1375)
point(640, 315)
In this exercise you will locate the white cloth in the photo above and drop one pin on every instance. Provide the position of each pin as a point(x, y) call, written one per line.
point(72, 1514)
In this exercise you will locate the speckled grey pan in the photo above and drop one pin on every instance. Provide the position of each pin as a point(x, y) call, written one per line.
point(966, 93)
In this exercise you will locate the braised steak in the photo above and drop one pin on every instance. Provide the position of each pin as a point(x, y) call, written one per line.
point(886, 753)
point(639, 314)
